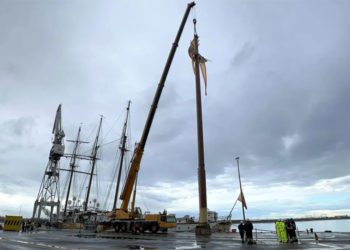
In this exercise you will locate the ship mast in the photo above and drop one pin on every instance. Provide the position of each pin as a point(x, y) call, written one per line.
point(72, 165)
point(240, 188)
point(122, 152)
point(93, 164)
point(203, 228)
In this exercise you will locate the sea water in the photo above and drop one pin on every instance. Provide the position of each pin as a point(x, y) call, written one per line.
point(316, 225)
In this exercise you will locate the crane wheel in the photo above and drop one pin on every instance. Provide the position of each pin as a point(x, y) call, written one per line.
point(122, 228)
point(133, 228)
point(154, 228)
point(141, 229)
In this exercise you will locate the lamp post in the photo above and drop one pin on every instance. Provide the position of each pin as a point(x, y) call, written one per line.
point(240, 187)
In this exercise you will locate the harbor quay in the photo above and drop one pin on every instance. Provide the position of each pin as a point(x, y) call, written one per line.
point(69, 239)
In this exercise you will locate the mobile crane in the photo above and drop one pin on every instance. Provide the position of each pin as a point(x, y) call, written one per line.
point(124, 219)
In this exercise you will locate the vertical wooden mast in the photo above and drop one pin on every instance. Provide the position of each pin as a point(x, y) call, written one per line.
point(93, 164)
point(72, 168)
point(122, 152)
point(204, 227)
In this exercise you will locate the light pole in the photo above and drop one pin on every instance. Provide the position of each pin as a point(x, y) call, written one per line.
point(240, 187)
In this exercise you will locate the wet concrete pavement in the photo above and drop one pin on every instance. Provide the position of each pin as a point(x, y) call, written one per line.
point(109, 240)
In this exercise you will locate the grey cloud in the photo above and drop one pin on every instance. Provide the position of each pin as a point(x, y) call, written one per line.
point(13, 132)
point(10, 68)
point(243, 54)
point(18, 127)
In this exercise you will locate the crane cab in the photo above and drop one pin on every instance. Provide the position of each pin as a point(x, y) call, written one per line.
point(165, 221)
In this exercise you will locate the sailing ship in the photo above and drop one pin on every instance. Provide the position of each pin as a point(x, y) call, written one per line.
point(75, 214)
point(88, 214)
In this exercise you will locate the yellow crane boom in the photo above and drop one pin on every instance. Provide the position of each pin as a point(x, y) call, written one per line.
point(138, 152)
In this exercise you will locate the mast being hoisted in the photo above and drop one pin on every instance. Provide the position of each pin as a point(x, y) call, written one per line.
point(203, 228)
point(48, 195)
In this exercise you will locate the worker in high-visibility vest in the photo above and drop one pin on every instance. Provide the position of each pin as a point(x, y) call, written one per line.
point(281, 232)
point(284, 234)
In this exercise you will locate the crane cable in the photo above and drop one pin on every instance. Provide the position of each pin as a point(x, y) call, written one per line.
point(194, 13)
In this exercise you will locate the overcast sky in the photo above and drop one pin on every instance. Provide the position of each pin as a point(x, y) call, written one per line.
point(278, 97)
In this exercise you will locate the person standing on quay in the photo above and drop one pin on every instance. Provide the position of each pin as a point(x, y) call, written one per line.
point(241, 230)
point(248, 228)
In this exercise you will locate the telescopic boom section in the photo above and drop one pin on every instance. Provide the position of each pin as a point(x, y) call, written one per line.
point(137, 156)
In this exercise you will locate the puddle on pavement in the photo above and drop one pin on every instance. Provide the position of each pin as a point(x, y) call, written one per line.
point(117, 237)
